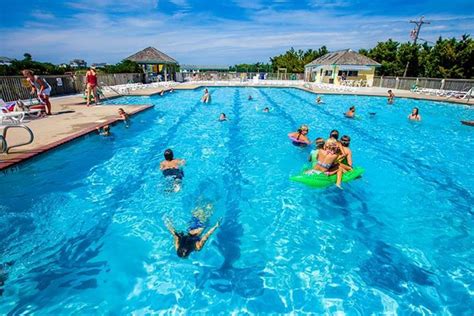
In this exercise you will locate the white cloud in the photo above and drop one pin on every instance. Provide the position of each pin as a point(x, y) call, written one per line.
point(197, 41)
point(42, 15)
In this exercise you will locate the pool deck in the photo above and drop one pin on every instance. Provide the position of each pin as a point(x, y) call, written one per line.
point(72, 119)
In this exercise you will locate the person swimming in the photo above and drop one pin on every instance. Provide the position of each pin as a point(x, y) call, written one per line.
point(222, 117)
point(266, 110)
point(300, 137)
point(415, 115)
point(104, 131)
point(313, 156)
point(192, 239)
point(319, 100)
point(171, 167)
point(250, 98)
point(206, 98)
point(351, 112)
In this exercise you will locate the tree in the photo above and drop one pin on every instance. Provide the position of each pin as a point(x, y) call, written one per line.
point(27, 57)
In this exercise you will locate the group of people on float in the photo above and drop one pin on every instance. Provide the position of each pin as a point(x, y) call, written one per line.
point(330, 156)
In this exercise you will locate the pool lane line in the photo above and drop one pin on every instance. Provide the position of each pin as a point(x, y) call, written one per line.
point(279, 109)
point(230, 247)
point(457, 190)
point(231, 231)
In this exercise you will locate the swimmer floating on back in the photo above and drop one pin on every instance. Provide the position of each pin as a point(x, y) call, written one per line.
point(300, 137)
point(187, 242)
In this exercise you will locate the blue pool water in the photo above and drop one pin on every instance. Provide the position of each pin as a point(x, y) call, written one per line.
point(84, 228)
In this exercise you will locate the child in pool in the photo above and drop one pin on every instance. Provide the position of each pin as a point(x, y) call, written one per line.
point(313, 156)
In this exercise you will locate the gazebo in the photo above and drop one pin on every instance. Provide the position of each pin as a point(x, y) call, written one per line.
point(156, 65)
point(336, 67)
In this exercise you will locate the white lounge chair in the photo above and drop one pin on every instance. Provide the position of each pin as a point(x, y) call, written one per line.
point(11, 118)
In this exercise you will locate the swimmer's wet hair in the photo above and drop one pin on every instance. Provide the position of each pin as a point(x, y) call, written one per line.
point(169, 154)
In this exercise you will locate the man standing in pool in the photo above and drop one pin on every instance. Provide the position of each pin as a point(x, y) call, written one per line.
point(185, 243)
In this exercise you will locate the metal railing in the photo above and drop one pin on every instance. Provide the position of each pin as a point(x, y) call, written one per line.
point(3, 138)
point(408, 83)
point(15, 87)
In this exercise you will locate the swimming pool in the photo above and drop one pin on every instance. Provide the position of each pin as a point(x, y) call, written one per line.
point(84, 224)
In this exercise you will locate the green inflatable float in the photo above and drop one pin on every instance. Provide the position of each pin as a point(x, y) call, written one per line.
point(324, 181)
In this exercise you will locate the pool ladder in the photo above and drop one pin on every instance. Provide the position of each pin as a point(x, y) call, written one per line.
point(4, 148)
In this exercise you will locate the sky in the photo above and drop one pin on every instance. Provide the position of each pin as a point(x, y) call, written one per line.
point(212, 32)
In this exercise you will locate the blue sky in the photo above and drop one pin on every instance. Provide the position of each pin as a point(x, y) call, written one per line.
point(215, 32)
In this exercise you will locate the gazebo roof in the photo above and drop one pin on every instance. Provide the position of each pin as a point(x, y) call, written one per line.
point(343, 57)
point(151, 55)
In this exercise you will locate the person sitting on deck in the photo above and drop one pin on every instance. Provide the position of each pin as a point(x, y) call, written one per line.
point(391, 97)
point(351, 112)
point(187, 242)
point(415, 115)
point(300, 137)
point(39, 86)
point(206, 98)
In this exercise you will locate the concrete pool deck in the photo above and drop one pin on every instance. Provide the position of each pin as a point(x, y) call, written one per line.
point(72, 119)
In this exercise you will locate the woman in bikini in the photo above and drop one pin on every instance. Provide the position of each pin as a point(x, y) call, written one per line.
point(327, 161)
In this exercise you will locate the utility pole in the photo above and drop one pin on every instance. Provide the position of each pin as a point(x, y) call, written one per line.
point(414, 34)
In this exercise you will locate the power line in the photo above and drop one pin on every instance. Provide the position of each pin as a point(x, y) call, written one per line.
point(414, 34)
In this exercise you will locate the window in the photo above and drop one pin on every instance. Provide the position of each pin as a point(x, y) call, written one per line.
point(350, 73)
point(328, 73)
